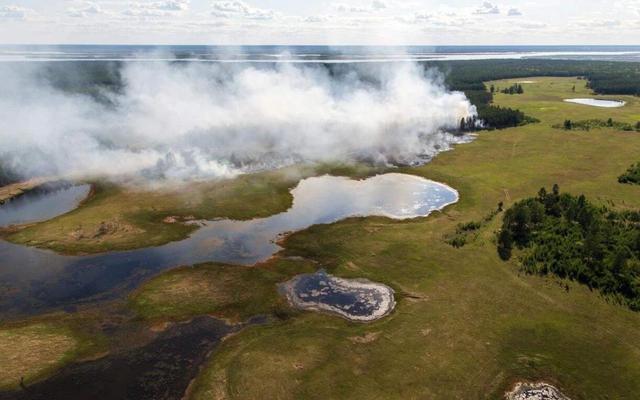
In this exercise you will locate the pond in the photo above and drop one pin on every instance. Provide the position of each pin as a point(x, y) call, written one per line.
point(597, 102)
point(42, 203)
point(354, 299)
point(32, 279)
point(535, 391)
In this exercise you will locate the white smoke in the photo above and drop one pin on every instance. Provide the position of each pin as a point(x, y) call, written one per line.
point(200, 120)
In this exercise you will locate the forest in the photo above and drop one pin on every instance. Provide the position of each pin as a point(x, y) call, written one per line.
point(469, 77)
point(571, 238)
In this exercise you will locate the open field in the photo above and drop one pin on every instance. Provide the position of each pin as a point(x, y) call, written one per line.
point(466, 326)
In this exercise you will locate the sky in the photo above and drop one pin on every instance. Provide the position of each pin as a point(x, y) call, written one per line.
point(341, 22)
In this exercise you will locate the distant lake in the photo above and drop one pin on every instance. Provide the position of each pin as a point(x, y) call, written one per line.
point(310, 54)
point(597, 102)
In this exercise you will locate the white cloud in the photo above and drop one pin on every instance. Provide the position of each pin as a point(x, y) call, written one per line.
point(423, 16)
point(174, 5)
point(14, 12)
point(346, 8)
point(157, 8)
point(316, 18)
point(88, 9)
point(318, 21)
point(487, 8)
point(533, 25)
point(240, 9)
point(378, 5)
point(609, 23)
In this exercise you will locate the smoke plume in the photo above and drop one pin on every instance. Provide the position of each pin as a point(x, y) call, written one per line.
point(186, 120)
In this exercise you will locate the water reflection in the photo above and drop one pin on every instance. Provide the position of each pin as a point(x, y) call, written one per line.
point(31, 279)
point(42, 204)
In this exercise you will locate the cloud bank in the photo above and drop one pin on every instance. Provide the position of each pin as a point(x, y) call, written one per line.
point(182, 121)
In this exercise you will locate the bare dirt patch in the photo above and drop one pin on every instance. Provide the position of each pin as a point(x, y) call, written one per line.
point(368, 337)
point(104, 230)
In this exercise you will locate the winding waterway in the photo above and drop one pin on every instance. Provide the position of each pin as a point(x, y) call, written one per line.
point(32, 279)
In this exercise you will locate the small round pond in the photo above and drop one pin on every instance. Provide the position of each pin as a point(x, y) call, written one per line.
point(32, 278)
point(45, 202)
point(354, 299)
point(535, 391)
point(597, 102)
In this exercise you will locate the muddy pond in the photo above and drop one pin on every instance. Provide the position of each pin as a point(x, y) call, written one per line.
point(32, 279)
point(354, 299)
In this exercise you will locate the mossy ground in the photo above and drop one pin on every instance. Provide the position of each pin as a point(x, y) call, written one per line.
point(232, 292)
point(33, 349)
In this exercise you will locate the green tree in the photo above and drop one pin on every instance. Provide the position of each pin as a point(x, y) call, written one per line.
point(505, 244)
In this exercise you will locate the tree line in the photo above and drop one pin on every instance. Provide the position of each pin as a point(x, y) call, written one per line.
point(571, 238)
point(516, 88)
point(588, 124)
point(631, 176)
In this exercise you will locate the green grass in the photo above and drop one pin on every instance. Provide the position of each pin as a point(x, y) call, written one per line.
point(231, 292)
point(467, 325)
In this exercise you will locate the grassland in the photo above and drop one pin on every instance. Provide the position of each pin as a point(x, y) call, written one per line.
point(466, 326)
point(30, 351)
point(33, 349)
point(231, 292)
